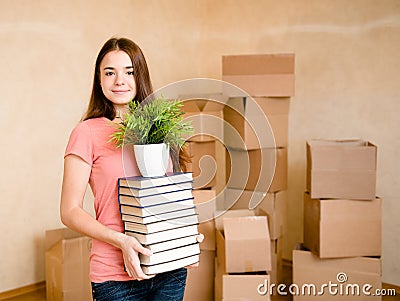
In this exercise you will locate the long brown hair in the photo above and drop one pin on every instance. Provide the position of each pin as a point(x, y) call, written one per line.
point(99, 105)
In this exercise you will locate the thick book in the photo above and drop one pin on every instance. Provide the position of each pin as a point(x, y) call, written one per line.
point(170, 266)
point(141, 192)
point(145, 182)
point(170, 255)
point(162, 225)
point(155, 199)
point(173, 243)
point(158, 217)
point(145, 211)
point(152, 238)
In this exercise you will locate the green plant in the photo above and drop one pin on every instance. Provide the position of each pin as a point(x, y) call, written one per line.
point(156, 121)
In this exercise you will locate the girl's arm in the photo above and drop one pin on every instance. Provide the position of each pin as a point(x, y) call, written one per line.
point(75, 182)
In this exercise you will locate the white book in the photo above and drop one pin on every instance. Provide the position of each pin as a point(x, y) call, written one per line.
point(145, 182)
point(158, 209)
point(170, 266)
point(140, 192)
point(171, 244)
point(162, 225)
point(152, 238)
point(158, 217)
point(170, 255)
point(155, 199)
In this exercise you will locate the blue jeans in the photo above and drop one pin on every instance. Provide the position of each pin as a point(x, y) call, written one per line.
point(164, 286)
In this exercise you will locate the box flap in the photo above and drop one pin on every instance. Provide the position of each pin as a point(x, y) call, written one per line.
point(219, 217)
point(274, 206)
point(191, 106)
point(246, 228)
point(53, 236)
point(341, 155)
point(202, 105)
point(337, 142)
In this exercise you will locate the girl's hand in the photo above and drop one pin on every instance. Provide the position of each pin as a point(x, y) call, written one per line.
point(199, 239)
point(130, 251)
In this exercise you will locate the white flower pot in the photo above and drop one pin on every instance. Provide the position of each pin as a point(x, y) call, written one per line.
point(152, 159)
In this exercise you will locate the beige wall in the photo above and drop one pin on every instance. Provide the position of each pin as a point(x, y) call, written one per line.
point(347, 85)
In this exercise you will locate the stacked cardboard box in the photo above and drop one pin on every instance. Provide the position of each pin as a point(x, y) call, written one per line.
point(272, 205)
point(243, 257)
point(342, 220)
point(256, 127)
point(256, 136)
point(205, 114)
point(270, 75)
point(254, 130)
point(346, 273)
point(200, 281)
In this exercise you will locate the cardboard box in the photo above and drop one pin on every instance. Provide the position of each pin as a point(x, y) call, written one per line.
point(342, 228)
point(203, 166)
point(271, 204)
point(208, 165)
point(276, 262)
point(238, 286)
point(244, 245)
point(256, 122)
point(67, 266)
point(200, 281)
point(221, 214)
point(261, 169)
point(205, 201)
point(219, 272)
point(205, 115)
point(205, 207)
point(259, 75)
point(343, 169)
point(274, 206)
point(275, 272)
point(220, 152)
point(312, 270)
point(244, 287)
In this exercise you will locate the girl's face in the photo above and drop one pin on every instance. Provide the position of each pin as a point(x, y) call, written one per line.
point(116, 78)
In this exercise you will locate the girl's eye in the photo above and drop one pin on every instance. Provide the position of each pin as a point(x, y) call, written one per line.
point(130, 72)
point(109, 73)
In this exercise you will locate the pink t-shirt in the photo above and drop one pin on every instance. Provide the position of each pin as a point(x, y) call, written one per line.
point(89, 141)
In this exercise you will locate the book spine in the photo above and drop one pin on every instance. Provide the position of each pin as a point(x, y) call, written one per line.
point(155, 205)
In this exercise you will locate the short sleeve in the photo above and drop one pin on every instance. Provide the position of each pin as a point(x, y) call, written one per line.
point(81, 143)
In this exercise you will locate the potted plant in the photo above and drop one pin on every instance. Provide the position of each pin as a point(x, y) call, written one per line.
point(156, 130)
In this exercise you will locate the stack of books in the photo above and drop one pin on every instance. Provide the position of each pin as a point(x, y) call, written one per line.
point(159, 212)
